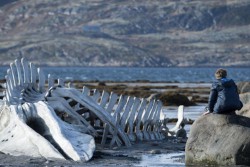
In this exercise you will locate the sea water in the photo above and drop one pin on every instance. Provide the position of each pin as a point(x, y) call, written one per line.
point(170, 160)
point(120, 74)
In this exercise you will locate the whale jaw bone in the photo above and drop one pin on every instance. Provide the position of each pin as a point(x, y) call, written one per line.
point(29, 126)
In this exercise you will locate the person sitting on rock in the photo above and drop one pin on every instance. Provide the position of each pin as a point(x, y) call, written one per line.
point(224, 96)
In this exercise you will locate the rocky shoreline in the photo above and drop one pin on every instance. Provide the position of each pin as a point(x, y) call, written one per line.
point(135, 155)
point(141, 153)
point(132, 156)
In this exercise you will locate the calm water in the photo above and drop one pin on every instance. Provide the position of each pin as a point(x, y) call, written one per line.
point(175, 74)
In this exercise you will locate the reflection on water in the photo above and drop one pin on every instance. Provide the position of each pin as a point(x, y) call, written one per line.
point(172, 160)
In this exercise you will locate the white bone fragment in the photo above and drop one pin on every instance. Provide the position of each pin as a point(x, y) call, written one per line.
point(112, 102)
point(19, 72)
point(60, 104)
point(33, 73)
point(116, 116)
point(131, 120)
point(104, 99)
point(51, 81)
point(180, 120)
point(145, 132)
point(96, 95)
point(138, 121)
point(153, 123)
point(85, 91)
point(14, 74)
point(60, 82)
point(126, 112)
point(27, 78)
point(41, 83)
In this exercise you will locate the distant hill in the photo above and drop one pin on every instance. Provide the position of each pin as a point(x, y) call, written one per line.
point(146, 33)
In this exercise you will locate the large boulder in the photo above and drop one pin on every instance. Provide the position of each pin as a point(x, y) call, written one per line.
point(217, 139)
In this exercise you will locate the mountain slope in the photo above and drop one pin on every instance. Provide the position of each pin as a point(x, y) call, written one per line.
point(126, 33)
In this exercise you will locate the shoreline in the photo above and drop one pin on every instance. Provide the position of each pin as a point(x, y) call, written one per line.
point(195, 92)
point(160, 153)
point(170, 151)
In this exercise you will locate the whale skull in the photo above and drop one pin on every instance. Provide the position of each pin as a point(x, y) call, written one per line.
point(30, 126)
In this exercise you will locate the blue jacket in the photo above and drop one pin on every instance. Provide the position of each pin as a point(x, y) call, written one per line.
point(224, 97)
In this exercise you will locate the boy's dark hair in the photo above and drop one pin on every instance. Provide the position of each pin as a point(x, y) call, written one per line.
point(220, 73)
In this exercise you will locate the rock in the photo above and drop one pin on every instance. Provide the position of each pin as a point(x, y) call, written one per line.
point(245, 111)
point(181, 133)
point(173, 99)
point(101, 83)
point(245, 99)
point(219, 140)
point(243, 87)
point(155, 152)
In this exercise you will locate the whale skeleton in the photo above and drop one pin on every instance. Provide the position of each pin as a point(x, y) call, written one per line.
point(45, 118)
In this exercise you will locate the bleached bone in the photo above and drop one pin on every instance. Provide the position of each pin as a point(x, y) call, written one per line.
point(90, 104)
point(131, 134)
point(104, 99)
point(149, 121)
point(61, 105)
point(125, 117)
point(15, 137)
point(96, 95)
point(151, 107)
point(116, 115)
point(112, 101)
point(138, 121)
point(154, 134)
point(51, 81)
point(180, 116)
point(129, 119)
point(29, 126)
point(107, 129)
point(126, 112)
point(85, 91)
point(101, 101)
point(157, 123)
point(61, 82)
